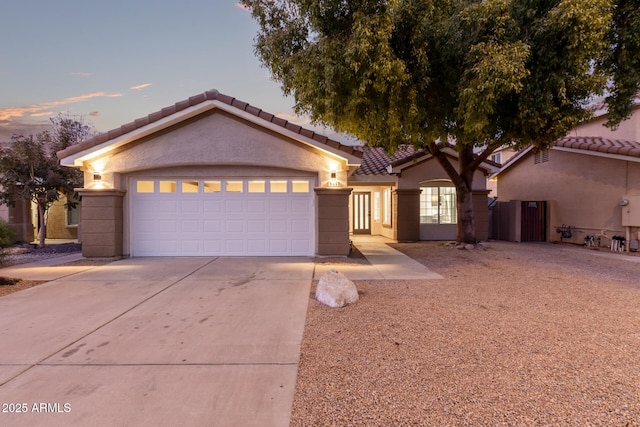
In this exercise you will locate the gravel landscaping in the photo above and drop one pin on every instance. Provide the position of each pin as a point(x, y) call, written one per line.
point(514, 335)
point(21, 254)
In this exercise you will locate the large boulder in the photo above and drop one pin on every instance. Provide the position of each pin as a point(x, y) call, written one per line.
point(335, 290)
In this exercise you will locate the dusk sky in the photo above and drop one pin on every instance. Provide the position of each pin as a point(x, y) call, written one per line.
point(115, 61)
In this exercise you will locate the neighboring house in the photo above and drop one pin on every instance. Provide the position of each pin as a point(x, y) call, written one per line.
point(585, 188)
point(62, 220)
point(501, 156)
point(19, 216)
point(213, 175)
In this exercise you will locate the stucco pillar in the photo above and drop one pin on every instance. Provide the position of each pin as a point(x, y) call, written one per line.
point(332, 211)
point(406, 208)
point(481, 213)
point(101, 222)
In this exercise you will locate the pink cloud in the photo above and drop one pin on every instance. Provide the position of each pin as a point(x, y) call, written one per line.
point(44, 108)
point(80, 74)
point(140, 87)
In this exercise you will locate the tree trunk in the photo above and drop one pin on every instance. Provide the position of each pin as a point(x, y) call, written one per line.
point(464, 197)
point(42, 234)
point(466, 223)
point(463, 181)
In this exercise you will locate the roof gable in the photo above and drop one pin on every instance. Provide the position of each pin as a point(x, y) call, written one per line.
point(192, 107)
point(592, 146)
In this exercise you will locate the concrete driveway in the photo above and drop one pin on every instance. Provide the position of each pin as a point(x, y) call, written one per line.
point(156, 341)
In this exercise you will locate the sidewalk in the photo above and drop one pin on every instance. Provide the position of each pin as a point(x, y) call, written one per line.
point(386, 263)
point(47, 269)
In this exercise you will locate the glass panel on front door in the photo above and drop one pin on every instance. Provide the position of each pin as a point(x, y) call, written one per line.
point(361, 213)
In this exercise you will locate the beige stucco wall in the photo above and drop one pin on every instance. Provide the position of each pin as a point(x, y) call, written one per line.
point(414, 175)
point(628, 130)
point(586, 189)
point(101, 223)
point(430, 170)
point(332, 207)
point(57, 227)
point(216, 138)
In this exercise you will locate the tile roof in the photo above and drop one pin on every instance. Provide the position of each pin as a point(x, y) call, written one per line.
point(195, 100)
point(591, 145)
point(375, 160)
point(602, 145)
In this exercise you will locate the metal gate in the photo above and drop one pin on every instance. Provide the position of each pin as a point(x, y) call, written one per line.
point(361, 213)
point(534, 223)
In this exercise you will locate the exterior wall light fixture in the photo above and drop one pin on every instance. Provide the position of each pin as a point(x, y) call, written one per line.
point(97, 177)
point(333, 181)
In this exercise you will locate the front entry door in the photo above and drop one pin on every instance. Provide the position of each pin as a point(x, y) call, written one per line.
point(361, 213)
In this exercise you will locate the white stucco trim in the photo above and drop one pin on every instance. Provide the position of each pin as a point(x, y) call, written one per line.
point(99, 150)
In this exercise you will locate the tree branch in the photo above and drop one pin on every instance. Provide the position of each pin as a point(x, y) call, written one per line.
point(441, 157)
point(484, 155)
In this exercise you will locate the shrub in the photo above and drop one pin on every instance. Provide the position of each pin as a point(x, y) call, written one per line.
point(7, 238)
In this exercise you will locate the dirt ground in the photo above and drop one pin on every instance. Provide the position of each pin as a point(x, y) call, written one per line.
point(514, 335)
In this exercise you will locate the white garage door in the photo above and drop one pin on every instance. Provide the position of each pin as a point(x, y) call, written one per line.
point(230, 217)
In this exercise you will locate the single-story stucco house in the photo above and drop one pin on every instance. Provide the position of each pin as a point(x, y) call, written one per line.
point(213, 175)
point(585, 188)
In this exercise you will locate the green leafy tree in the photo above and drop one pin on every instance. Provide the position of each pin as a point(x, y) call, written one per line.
point(30, 169)
point(470, 75)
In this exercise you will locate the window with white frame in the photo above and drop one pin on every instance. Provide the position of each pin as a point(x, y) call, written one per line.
point(386, 206)
point(438, 204)
point(376, 206)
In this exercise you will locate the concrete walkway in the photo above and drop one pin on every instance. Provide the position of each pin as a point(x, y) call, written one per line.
point(48, 269)
point(155, 341)
point(386, 263)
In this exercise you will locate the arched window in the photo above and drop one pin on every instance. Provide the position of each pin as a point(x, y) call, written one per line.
point(438, 203)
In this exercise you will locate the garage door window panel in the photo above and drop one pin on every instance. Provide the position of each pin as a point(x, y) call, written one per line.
point(190, 186)
point(300, 186)
point(234, 186)
point(145, 186)
point(168, 186)
point(278, 186)
point(257, 186)
point(212, 186)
